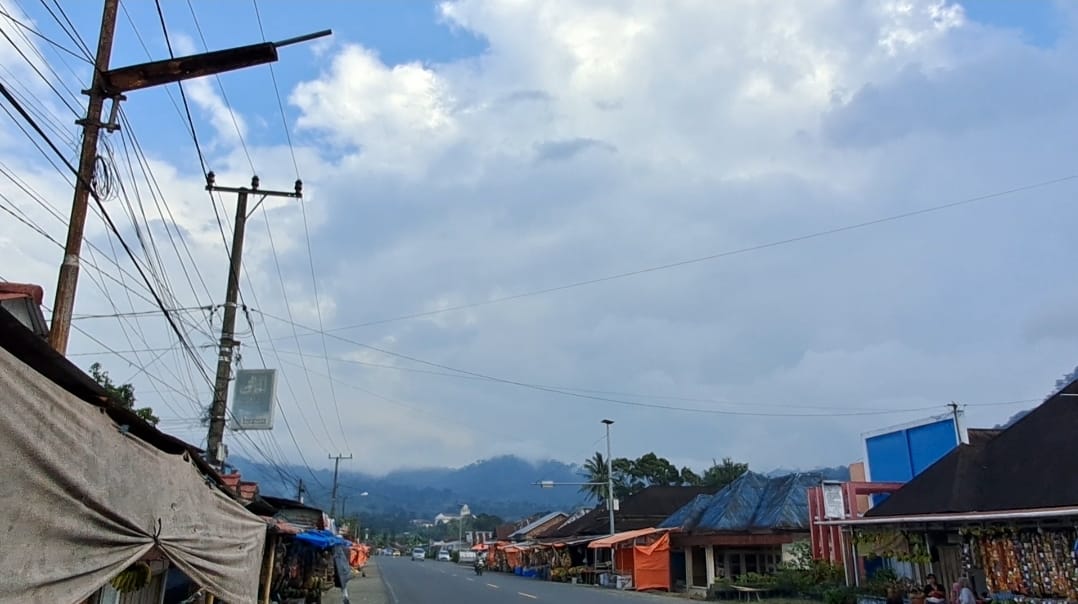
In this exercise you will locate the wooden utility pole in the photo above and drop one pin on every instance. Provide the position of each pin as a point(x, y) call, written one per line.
point(336, 468)
point(112, 84)
point(219, 408)
point(64, 303)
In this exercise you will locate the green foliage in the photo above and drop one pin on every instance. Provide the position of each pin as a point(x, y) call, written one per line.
point(840, 595)
point(723, 473)
point(631, 476)
point(124, 394)
point(454, 556)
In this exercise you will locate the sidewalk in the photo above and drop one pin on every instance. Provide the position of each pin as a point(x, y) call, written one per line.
point(362, 590)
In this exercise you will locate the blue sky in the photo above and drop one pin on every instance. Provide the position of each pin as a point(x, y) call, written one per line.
point(455, 155)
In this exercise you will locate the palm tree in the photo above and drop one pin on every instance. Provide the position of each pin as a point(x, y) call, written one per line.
point(594, 472)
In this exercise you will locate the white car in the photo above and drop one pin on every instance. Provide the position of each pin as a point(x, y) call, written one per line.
point(419, 554)
point(443, 556)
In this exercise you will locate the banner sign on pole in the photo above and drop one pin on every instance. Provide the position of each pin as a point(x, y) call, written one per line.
point(253, 398)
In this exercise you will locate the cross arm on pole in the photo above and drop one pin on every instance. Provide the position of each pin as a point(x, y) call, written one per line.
point(155, 73)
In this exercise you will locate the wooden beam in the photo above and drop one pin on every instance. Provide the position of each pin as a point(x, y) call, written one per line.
point(144, 75)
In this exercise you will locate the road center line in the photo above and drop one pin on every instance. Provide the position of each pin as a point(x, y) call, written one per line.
point(492, 586)
point(520, 593)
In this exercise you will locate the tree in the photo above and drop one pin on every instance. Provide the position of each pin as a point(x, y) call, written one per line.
point(596, 474)
point(652, 470)
point(124, 394)
point(721, 474)
point(690, 478)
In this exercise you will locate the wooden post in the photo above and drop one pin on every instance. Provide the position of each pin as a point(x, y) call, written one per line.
point(267, 568)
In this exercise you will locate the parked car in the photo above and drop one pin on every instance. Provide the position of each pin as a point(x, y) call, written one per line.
point(443, 555)
point(419, 554)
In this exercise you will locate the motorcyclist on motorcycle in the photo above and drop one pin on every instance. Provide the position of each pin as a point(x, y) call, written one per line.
point(479, 563)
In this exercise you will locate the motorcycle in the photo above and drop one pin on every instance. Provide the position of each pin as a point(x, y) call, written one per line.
point(479, 568)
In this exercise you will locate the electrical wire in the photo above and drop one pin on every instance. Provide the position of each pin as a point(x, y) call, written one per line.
point(109, 222)
point(52, 42)
point(221, 87)
point(606, 399)
point(306, 232)
point(719, 255)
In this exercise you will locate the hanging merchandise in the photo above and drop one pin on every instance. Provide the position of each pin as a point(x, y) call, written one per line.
point(1035, 563)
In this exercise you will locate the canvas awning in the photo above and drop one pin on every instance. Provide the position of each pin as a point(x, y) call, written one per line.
point(84, 497)
point(481, 547)
point(617, 538)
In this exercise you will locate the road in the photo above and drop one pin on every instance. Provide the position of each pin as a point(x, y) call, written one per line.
point(430, 582)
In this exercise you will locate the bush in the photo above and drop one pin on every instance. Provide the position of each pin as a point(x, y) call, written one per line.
point(840, 595)
point(455, 557)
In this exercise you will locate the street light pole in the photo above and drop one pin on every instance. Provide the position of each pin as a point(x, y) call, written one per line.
point(609, 477)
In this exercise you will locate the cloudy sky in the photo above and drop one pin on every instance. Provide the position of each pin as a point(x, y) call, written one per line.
point(463, 162)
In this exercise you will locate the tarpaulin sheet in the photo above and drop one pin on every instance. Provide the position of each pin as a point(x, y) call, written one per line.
point(322, 539)
point(651, 564)
point(752, 502)
point(358, 555)
point(82, 501)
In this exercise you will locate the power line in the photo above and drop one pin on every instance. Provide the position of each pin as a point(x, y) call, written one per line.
point(277, 92)
point(719, 255)
point(109, 222)
point(183, 95)
point(52, 42)
point(306, 232)
point(594, 397)
point(72, 33)
point(221, 86)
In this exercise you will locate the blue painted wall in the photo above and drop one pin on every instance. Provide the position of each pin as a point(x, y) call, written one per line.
point(900, 455)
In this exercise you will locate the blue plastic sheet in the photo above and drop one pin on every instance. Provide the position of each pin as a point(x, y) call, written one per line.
point(752, 502)
point(321, 539)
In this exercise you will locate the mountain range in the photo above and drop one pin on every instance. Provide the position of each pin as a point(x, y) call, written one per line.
point(501, 486)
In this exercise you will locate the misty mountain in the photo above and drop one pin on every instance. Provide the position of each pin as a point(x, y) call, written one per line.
point(501, 486)
point(832, 473)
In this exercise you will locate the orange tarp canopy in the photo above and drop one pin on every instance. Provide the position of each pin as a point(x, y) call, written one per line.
point(651, 565)
point(481, 547)
point(617, 538)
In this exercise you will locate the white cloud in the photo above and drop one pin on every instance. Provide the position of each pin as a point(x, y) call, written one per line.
point(595, 138)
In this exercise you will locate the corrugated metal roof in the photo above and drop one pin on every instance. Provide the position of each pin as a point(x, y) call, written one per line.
point(523, 531)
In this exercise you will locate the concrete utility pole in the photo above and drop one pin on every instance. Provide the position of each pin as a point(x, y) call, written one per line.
point(112, 84)
point(219, 409)
point(336, 469)
point(300, 491)
point(64, 303)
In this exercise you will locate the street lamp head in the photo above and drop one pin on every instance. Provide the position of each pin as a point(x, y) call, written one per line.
point(608, 421)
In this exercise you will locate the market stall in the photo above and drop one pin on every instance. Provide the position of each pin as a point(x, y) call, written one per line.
point(309, 564)
point(643, 556)
point(1039, 563)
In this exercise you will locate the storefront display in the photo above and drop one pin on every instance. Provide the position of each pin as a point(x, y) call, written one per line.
point(1040, 563)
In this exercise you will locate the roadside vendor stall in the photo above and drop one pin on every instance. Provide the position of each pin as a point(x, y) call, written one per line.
point(641, 558)
point(307, 565)
point(1041, 563)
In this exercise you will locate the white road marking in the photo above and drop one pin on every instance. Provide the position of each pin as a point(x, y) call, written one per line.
point(469, 578)
point(520, 593)
point(492, 586)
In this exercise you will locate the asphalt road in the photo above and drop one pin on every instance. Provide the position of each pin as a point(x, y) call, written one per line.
point(430, 582)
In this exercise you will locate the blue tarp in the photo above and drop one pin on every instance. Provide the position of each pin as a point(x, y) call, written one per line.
point(322, 539)
point(752, 502)
point(688, 515)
